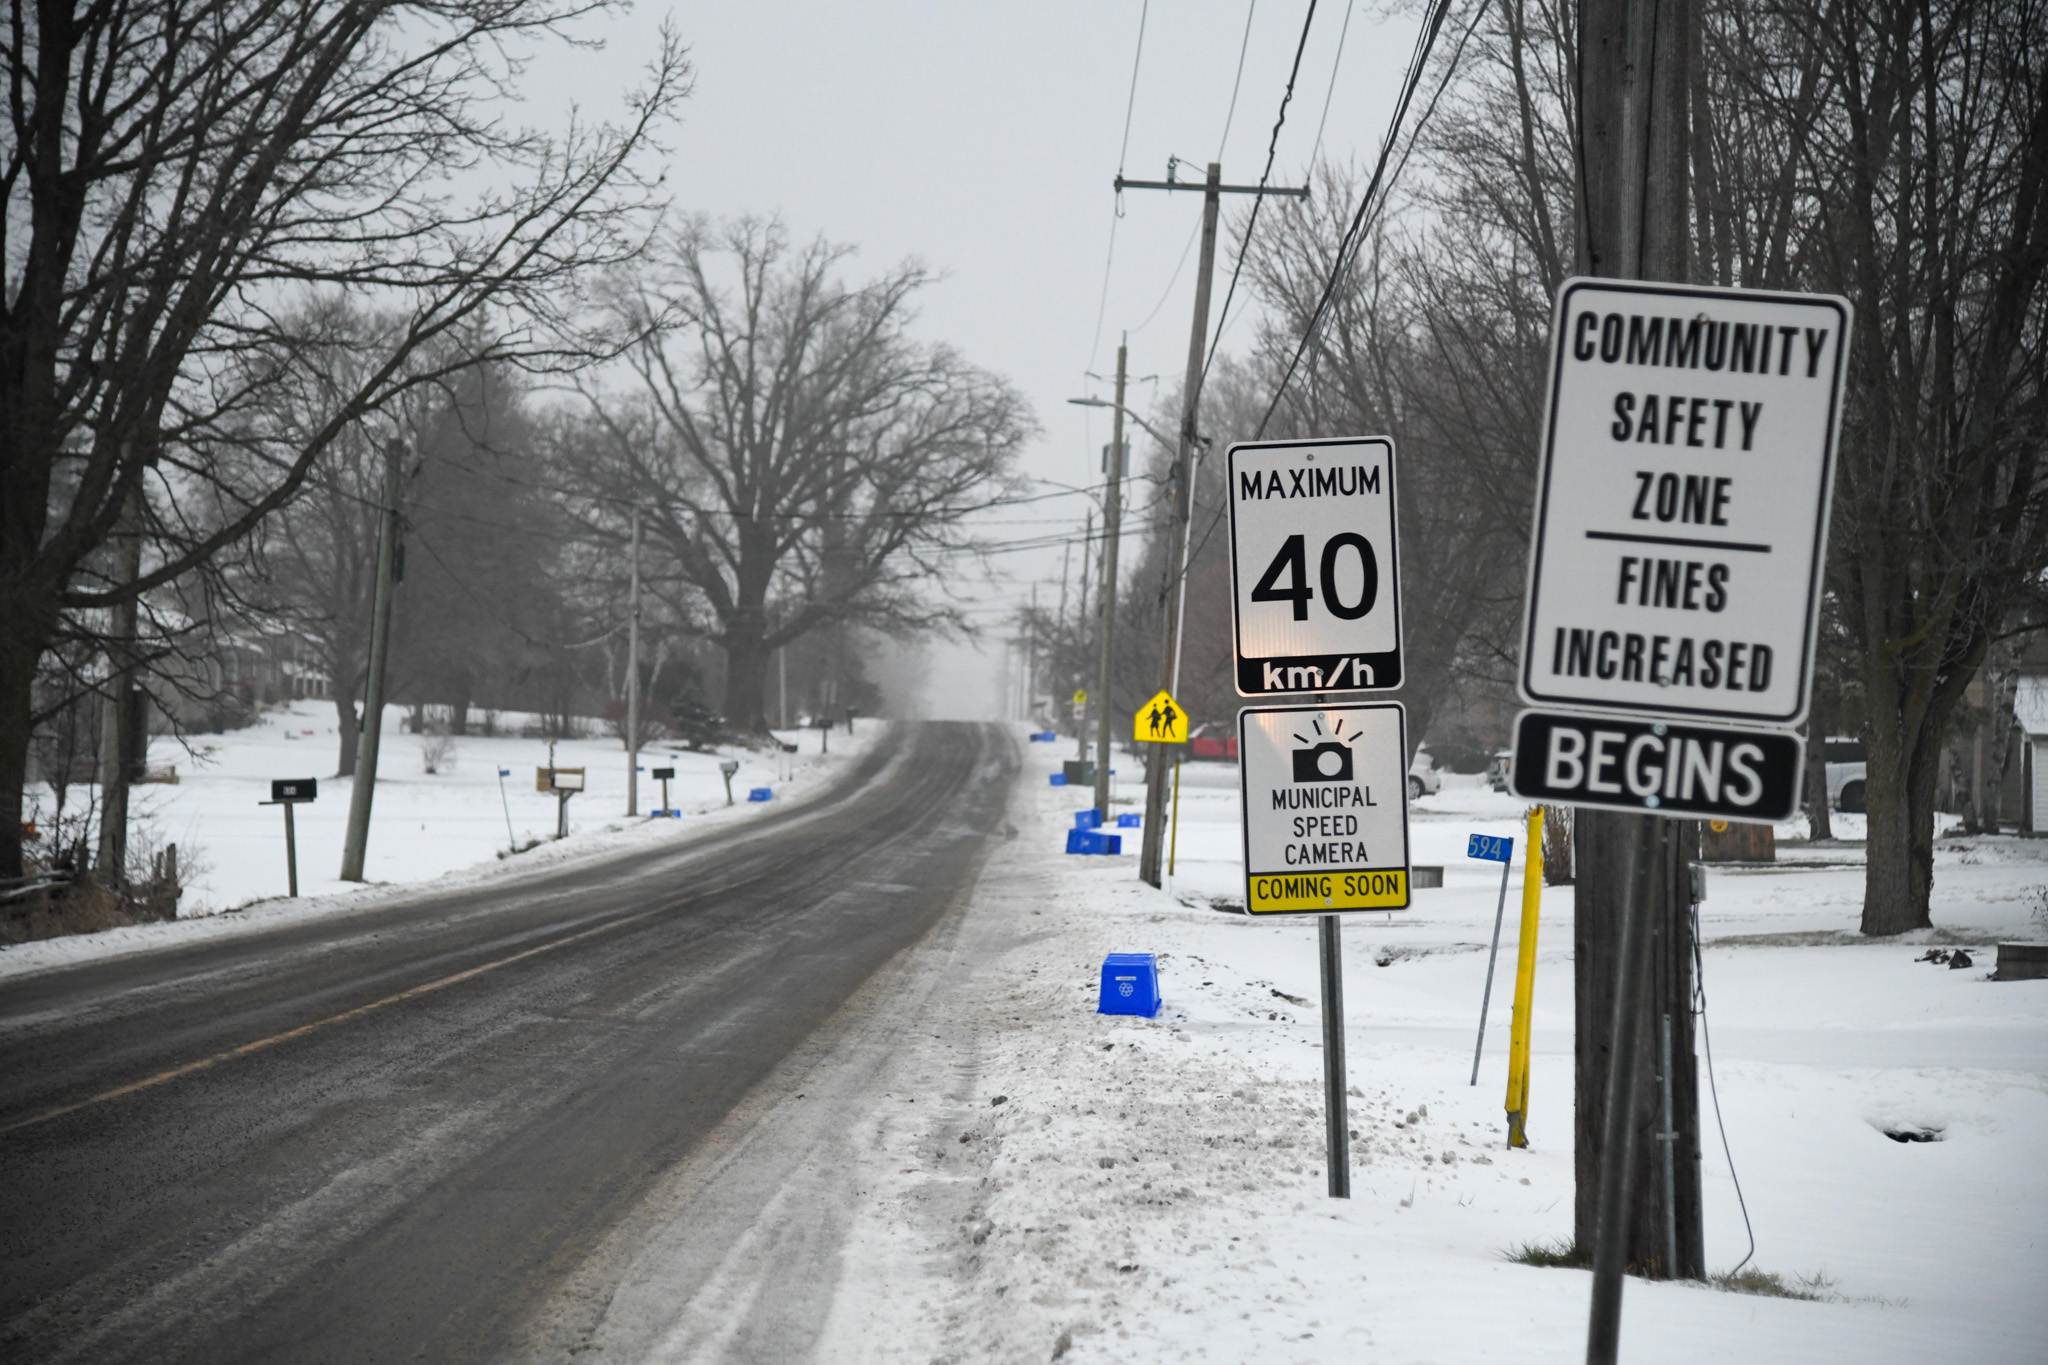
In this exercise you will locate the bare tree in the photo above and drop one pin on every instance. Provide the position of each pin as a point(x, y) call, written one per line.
point(174, 175)
point(800, 462)
point(1927, 179)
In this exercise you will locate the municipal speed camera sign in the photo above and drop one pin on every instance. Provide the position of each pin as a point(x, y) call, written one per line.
point(1316, 594)
point(1682, 503)
point(1325, 807)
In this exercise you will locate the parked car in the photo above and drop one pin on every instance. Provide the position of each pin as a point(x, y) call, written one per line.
point(1213, 742)
point(1845, 768)
point(1423, 778)
point(1498, 771)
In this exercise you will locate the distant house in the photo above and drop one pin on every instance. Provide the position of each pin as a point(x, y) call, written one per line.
point(2030, 714)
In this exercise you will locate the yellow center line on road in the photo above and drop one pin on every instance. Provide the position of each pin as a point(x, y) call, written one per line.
point(410, 993)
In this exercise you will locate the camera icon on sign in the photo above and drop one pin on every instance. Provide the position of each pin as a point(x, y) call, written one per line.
point(1329, 761)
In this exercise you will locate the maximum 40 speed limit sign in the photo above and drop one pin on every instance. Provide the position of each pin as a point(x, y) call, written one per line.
point(1316, 593)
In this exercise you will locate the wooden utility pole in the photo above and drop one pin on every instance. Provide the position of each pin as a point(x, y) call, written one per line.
point(1112, 522)
point(1632, 964)
point(633, 676)
point(1177, 496)
point(1180, 489)
point(364, 789)
point(1081, 630)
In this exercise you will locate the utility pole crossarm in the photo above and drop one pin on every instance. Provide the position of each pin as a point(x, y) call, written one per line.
point(1270, 191)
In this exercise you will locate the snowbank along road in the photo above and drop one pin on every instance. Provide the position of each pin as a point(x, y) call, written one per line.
point(419, 1132)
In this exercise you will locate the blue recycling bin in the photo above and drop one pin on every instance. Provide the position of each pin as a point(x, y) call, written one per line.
point(760, 794)
point(1130, 984)
point(1044, 737)
point(1093, 841)
point(1087, 819)
point(1058, 779)
point(1131, 820)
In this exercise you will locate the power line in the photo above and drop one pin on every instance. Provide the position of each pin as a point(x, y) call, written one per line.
point(1374, 195)
point(1167, 293)
point(1243, 47)
point(1336, 63)
point(1117, 208)
point(1418, 61)
point(1244, 245)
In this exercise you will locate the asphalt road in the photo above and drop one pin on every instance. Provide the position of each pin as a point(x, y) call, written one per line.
point(400, 1134)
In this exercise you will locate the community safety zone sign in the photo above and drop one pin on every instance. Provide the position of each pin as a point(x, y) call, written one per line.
point(1682, 505)
point(1316, 594)
point(1325, 792)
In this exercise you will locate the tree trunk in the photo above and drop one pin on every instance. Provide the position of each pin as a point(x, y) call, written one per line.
point(350, 727)
point(1602, 838)
point(20, 647)
point(746, 680)
point(1899, 858)
point(1818, 823)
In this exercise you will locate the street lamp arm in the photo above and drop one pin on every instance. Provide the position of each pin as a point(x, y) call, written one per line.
point(1149, 429)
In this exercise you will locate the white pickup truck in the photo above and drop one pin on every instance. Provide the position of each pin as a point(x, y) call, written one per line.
point(1845, 766)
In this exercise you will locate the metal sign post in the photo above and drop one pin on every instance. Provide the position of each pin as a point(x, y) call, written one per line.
point(511, 839)
point(290, 792)
point(1674, 592)
point(1502, 851)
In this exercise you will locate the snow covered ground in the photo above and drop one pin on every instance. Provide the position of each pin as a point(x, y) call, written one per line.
point(1117, 1188)
point(423, 826)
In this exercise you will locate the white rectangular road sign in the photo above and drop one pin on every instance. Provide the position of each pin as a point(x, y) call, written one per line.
point(1316, 600)
point(1325, 807)
point(1682, 503)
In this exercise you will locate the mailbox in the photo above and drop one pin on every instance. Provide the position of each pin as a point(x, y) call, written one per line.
point(295, 789)
point(663, 774)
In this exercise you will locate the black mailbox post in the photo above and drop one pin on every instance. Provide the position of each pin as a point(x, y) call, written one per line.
point(289, 792)
point(663, 776)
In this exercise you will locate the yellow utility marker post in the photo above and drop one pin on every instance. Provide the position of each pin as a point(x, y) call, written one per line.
point(1525, 984)
point(1173, 843)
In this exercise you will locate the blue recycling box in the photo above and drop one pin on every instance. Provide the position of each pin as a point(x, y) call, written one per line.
point(1093, 841)
point(1044, 737)
point(1130, 984)
point(1087, 819)
point(1058, 779)
point(1129, 821)
point(760, 794)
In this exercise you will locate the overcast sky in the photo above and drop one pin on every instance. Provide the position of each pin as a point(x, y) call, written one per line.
point(982, 139)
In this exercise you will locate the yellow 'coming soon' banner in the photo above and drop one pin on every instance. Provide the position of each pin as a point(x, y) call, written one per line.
point(1296, 892)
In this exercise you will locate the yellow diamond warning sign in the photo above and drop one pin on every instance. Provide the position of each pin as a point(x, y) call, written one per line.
point(1161, 721)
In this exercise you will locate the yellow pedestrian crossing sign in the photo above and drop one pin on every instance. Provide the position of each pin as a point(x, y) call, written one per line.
point(1161, 721)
